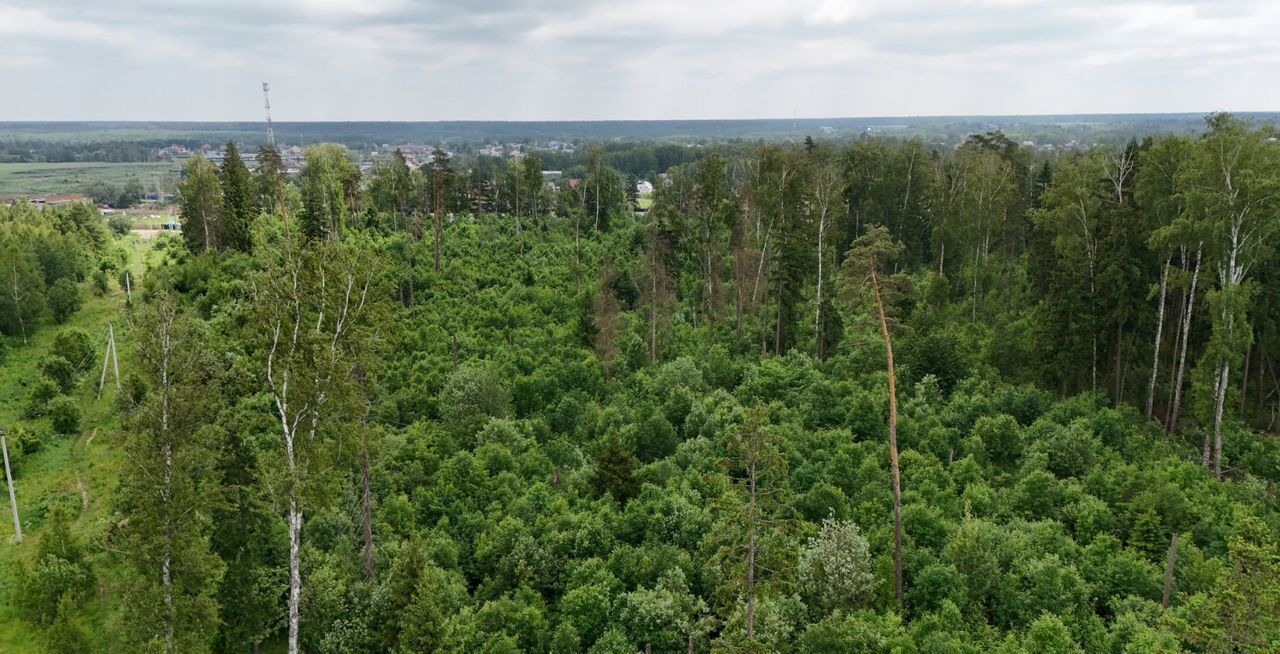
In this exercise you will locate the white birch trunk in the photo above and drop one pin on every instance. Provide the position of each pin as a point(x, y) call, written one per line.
point(1155, 357)
point(1182, 356)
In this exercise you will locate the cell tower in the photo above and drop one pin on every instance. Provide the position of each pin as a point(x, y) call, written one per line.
point(266, 95)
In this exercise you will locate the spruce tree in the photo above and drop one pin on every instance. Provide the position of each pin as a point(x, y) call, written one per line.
point(238, 201)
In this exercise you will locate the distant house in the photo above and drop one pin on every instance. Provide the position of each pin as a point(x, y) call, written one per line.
point(644, 188)
point(57, 200)
point(551, 174)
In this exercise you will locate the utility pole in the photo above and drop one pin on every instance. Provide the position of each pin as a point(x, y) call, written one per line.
point(109, 356)
point(8, 475)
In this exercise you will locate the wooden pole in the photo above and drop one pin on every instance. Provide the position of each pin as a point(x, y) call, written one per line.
point(8, 475)
point(115, 362)
point(128, 287)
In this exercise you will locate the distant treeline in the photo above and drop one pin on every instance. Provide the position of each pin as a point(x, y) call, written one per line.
point(136, 141)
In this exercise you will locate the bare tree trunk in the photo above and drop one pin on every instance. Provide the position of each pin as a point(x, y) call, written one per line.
point(653, 304)
point(751, 558)
point(1119, 388)
point(438, 234)
point(817, 312)
point(1155, 355)
point(1168, 571)
point(893, 445)
point(366, 517)
point(18, 298)
point(777, 328)
point(1244, 378)
point(1182, 357)
point(977, 253)
point(577, 249)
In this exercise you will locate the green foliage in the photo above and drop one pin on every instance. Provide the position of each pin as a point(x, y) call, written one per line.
point(64, 299)
point(58, 577)
point(75, 346)
point(64, 415)
point(119, 224)
point(66, 635)
point(835, 568)
point(536, 479)
point(61, 371)
point(39, 394)
point(473, 395)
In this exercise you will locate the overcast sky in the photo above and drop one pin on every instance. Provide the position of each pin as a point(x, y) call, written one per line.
point(588, 59)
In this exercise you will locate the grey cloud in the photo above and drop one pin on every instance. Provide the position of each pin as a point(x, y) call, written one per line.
point(582, 59)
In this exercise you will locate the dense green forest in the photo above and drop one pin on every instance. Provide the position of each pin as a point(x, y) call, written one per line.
point(818, 398)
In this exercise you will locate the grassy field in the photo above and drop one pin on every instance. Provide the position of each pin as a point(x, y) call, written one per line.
point(78, 472)
point(70, 178)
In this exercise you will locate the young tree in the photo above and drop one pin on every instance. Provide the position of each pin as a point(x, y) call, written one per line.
point(200, 203)
point(441, 177)
point(827, 203)
point(270, 180)
point(22, 286)
point(863, 274)
point(655, 286)
point(313, 307)
point(606, 318)
point(171, 601)
point(605, 194)
point(239, 207)
point(392, 189)
point(751, 528)
point(329, 183)
point(1157, 193)
point(1072, 211)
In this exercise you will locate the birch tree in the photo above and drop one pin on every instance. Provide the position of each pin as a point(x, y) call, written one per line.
point(170, 602)
point(1158, 194)
point(313, 309)
point(1072, 211)
point(22, 287)
point(826, 202)
point(200, 203)
point(1233, 190)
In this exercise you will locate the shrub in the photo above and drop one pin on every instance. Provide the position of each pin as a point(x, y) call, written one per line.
point(120, 224)
point(64, 299)
point(101, 283)
point(42, 391)
point(75, 346)
point(64, 415)
point(60, 370)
